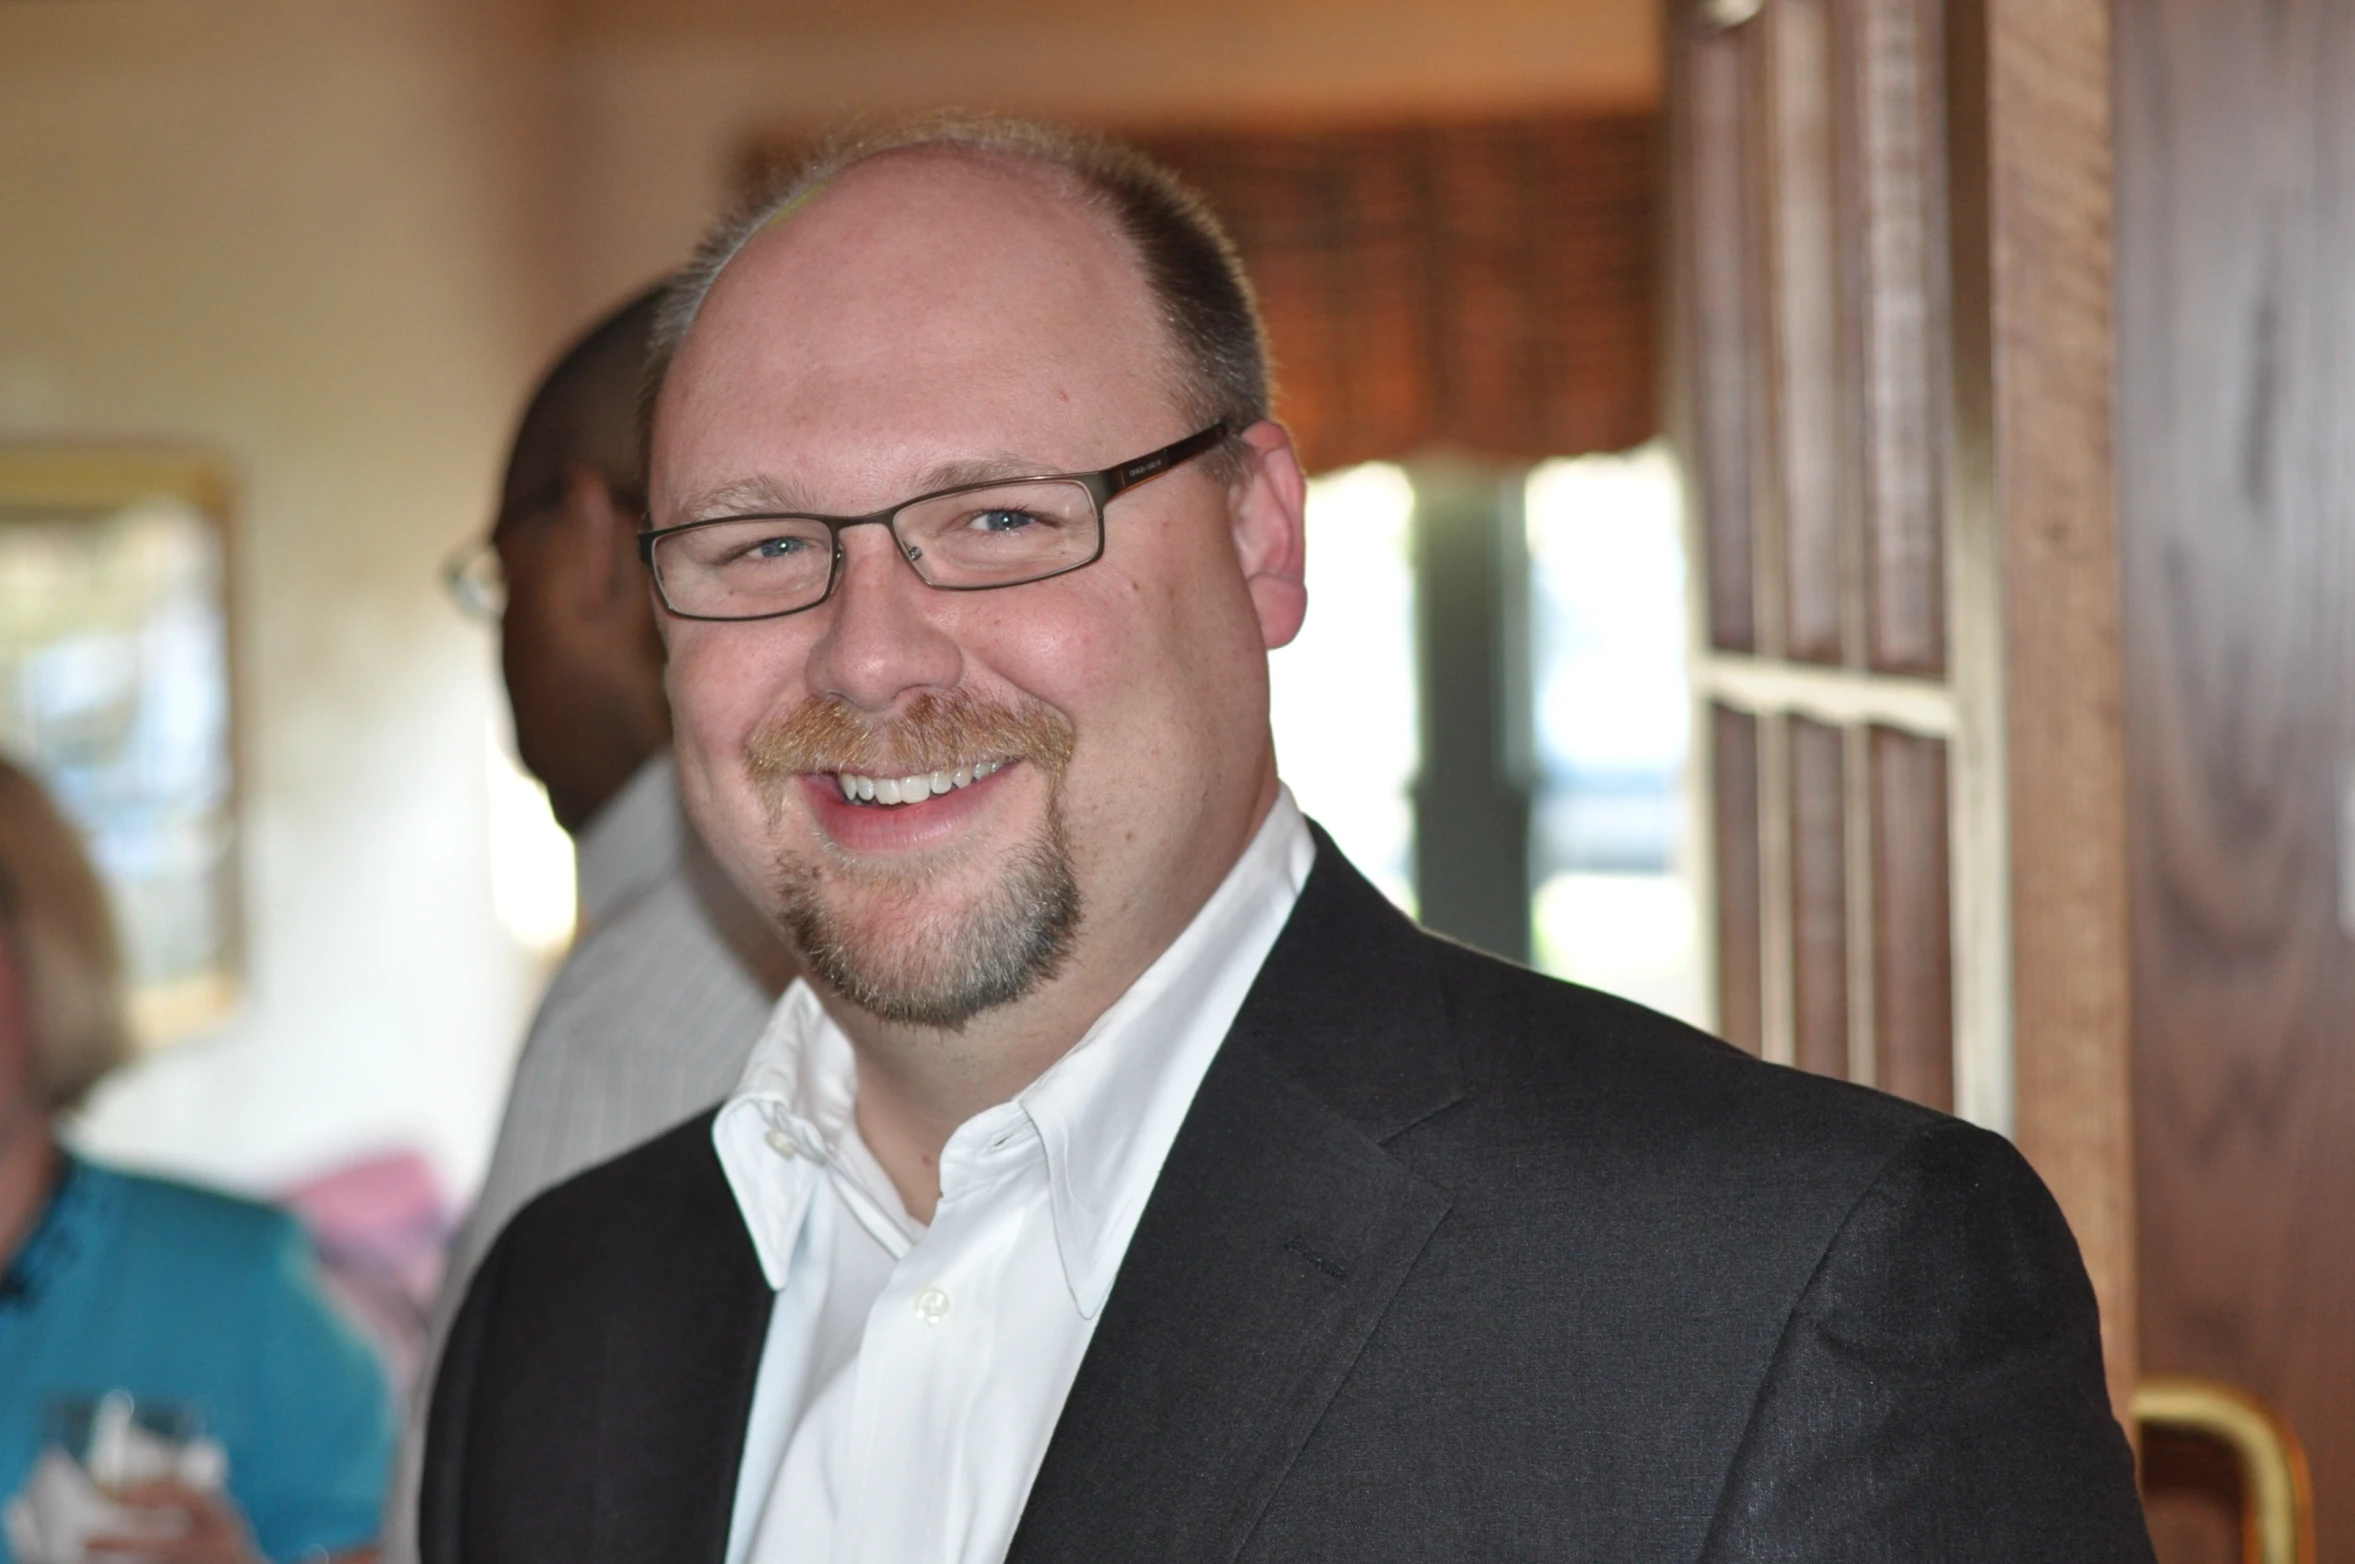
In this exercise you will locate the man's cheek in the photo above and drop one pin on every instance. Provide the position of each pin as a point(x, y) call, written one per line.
point(702, 694)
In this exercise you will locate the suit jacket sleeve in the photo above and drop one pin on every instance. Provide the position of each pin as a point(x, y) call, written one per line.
point(1938, 1390)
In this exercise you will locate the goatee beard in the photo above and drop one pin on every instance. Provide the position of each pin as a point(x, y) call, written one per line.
point(880, 936)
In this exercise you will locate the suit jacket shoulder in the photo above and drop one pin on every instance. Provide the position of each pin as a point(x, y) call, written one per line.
point(1453, 1260)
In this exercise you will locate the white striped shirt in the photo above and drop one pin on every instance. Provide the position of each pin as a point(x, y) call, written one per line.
point(651, 1017)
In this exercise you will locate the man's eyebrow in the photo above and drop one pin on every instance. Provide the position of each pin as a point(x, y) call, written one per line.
point(985, 469)
point(768, 496)
point(761, 496)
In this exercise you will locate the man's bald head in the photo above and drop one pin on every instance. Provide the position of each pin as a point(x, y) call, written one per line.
point(585, 415)
point(582, 659)
point(1197, 280)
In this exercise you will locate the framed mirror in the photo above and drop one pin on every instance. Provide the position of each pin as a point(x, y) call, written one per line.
point(115, 688)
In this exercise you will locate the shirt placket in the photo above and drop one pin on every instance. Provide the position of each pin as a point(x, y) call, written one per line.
point(925, 1356)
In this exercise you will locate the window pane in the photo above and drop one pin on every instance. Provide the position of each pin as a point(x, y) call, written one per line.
point(1613, 905)
point(1343, 694)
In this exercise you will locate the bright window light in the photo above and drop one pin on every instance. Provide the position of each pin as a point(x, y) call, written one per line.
point(1606, 557)
point(1343, 695)
point(532, 885)
point(1613, 903)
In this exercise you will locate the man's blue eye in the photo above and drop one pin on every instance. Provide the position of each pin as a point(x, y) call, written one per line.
point(779, 548)
point(1002, 520)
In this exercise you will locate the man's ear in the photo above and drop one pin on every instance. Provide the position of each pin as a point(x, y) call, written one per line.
point(1271, 538)
point(607, 541)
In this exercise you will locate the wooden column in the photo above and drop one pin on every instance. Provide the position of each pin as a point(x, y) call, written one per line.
point(2236, 373)
point(1893, 388)
point(2029, 100)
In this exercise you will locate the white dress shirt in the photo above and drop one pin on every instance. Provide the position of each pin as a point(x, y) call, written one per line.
point(648, 1021)
point(912, 1375)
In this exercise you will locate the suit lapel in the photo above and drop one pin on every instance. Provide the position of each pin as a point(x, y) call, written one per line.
point(1276, 1237)
point(676, 1374)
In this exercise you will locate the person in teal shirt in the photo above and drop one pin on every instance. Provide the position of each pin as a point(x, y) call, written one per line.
point(110, 1281)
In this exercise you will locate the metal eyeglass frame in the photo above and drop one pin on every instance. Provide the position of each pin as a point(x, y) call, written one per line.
point(1101, 487)
point(473, 574)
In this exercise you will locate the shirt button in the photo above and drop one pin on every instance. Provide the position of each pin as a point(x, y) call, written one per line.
point(932, 1306)
point(782, 1144)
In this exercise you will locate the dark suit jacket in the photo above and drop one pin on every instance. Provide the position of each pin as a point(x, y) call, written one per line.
point(1450, 1261)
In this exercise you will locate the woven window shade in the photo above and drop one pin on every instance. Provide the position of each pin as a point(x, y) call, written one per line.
point(1489, 285)
point(1486, 285)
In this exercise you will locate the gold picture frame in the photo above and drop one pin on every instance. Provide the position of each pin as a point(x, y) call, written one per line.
point(117, 681)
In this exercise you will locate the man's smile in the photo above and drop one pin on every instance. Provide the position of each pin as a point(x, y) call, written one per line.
point(912, 789)
point(909, 813)
point(913, 780)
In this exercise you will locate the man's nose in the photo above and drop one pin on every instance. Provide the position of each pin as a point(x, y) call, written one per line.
point(881, 639)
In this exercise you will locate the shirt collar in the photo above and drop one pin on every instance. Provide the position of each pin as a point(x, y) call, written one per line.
point(631, 842)
point(1106, 1113)
point(791, 1110)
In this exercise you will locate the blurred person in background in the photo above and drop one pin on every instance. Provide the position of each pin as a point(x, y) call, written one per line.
point(112, 1283)
point(673, 974)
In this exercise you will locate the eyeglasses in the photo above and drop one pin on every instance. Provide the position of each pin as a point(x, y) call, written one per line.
point(476, 577)
point(476, 580)
point(973, 538)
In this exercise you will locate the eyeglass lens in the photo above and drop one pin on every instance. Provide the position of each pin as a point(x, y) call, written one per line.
point(477, 580)
point(998, 536)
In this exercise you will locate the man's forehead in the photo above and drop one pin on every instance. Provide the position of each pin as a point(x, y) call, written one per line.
point(937, 223)
point(917, 292)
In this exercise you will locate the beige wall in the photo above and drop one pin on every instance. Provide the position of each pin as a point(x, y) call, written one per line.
point(333, 242)
point(293, 235)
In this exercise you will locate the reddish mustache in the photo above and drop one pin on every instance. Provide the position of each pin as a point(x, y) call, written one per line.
point(827, 734)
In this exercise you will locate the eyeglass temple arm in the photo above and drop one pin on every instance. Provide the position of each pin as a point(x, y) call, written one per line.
point(1129, 474)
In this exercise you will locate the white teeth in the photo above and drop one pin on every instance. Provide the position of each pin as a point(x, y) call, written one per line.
point(915, 789)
